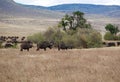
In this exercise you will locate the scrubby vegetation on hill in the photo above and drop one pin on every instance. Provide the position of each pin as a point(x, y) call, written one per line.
point(72, 30)
point(112, 31)
point(83, 38)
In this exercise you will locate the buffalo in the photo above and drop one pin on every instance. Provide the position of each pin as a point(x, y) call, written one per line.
point(111, 44)
point(64, 46)
point(26, 45)
point(8, 45)
point(2, 38)
point(44, 45)
point(118, 43)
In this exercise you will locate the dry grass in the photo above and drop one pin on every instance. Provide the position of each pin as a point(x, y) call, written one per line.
point(99, 22)
point(25, 26)
point(77, 65)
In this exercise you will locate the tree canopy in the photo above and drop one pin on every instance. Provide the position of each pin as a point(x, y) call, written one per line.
point(74, 21)
point(112, 29)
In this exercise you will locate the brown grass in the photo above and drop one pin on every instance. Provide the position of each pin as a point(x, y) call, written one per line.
point(24, 26)
point(77, 65)
point(10, 26)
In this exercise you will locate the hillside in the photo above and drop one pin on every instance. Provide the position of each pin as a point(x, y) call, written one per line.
point(112, 10)
point(16, 19)
point(10, 8)
point(97, 15)
point(19, 19)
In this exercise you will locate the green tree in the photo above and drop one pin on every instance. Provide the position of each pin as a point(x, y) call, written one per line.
point(112, 29)
point(70, 21)
point(74, 21)
point(78, 16)
point(63, 23)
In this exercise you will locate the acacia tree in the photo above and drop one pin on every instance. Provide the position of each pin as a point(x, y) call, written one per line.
point(74, 21)
point(80, 21)
point(112, 29)
point(63, 23)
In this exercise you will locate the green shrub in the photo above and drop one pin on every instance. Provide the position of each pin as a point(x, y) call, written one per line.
point(82, 38)
point(70, 40)
point(54, 35)
point(15, 45)
point(94, 40)
point(49, 34)
point(109, 36)
point(36, 38)
point(118, 37)
point(89, 38)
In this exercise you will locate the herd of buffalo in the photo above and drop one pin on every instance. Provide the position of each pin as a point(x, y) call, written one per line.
point(12, 41)
point(26, 45)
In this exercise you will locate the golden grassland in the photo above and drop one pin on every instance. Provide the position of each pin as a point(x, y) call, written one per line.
point(16, 26)
point(21, 26)
point(76, 65)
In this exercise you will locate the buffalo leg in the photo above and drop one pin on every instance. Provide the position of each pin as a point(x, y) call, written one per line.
point(28, 49)
point(21, 49)
point(37, 49)
point(59, 49)
point(44, 49)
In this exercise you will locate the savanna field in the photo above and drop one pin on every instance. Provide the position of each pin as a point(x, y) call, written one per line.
point(76, 65)
point(72, 65)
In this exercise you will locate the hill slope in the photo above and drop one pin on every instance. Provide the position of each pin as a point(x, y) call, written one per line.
point(19, 19)
point(97, 15)
point(16, 19)
point(111, 10)
point(10, 8)
point(89, 9)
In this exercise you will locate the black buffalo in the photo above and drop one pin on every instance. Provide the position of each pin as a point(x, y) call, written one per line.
point(8, 45)
point(44, 45)
point(64, 46)
point(110, 44)
point(26, 45)
point(118, 43)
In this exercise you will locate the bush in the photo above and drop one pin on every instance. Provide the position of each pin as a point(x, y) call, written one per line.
point(109, 36)
point(70, 40)
point(94, 40)
point(36, 38)
point(89, 38)
point(54, 35)
point(118, 37)
point(82, 38)
point(15, 45)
